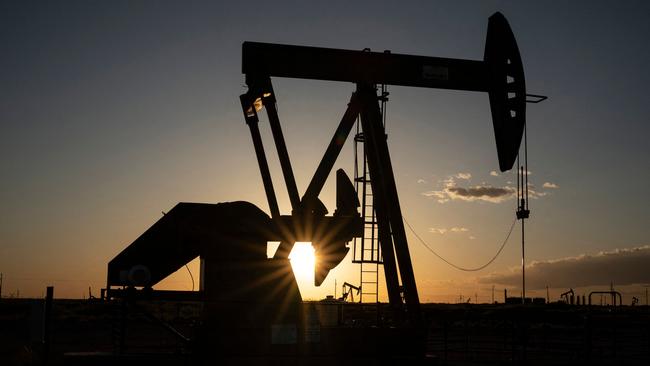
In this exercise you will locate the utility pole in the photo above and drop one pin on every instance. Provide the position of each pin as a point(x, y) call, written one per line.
point(523, 212)
point(1, 290)
point(523, 266)
point(492, 294)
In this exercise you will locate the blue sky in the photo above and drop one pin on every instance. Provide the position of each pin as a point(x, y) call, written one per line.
point(112, 112)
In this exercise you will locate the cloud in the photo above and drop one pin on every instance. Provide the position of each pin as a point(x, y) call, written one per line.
point(472, 237)
point(494, 173)
point(485, 192)
point(482, 193)
point(621, 266)
point(443, 230)
point(420, 181)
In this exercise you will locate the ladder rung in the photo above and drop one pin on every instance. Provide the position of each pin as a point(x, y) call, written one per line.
point(368, 261)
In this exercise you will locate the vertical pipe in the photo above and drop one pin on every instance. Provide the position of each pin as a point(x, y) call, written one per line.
point(364, 217)
point(523, 254)
point(47, 318)
point(356, 188)
point(523, 265)
point(525, 188)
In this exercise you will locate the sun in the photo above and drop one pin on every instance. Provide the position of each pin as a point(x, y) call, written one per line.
point(302, 261)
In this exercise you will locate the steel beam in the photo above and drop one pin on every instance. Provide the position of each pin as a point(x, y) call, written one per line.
point(317, 63)
point(387, 201)
point(252, 120)
point(333, 151)
point(283, 155)
point(368, 121)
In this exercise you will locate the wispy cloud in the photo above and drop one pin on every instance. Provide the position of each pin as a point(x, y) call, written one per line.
point(421, 181)
point(455, 229)
point(621, 266)
point(484, 192)
point(494, 173)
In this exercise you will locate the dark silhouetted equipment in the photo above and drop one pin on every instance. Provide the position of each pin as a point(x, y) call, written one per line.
point(615, 295)
point(567, 296)
point(500, 74)
point(252, 302)
point(347, 291)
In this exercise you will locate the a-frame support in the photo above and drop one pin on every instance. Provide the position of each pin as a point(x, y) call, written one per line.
point(392, 236)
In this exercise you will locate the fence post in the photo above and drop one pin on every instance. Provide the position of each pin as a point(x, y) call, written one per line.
point(445, 332)
point(47, 317)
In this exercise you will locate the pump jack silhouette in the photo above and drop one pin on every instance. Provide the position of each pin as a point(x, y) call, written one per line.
point(230, 238)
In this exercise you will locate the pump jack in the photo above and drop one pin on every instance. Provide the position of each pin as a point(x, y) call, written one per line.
point(500, 74)
point(347, 291)
point(231, 238)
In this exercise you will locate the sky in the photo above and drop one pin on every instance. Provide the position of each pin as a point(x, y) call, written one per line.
point(114, 111)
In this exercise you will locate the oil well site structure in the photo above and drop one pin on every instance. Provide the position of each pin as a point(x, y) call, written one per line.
point(253, 312)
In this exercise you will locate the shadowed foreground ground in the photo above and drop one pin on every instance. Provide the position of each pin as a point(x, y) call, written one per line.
point(457, 334)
